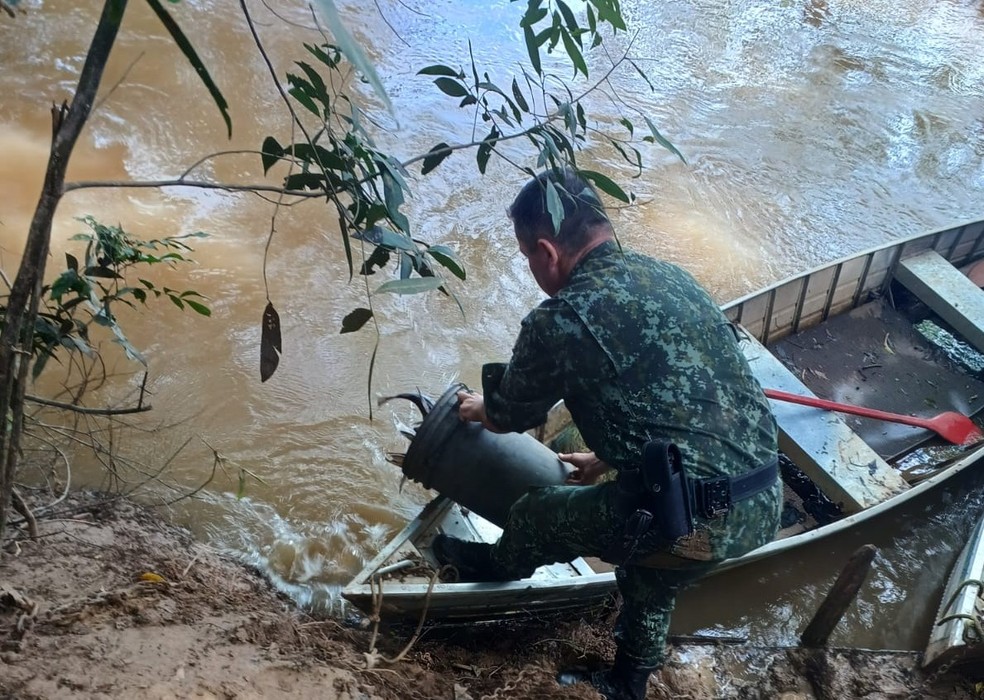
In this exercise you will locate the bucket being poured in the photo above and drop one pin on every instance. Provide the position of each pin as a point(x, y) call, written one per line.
point(483, 471)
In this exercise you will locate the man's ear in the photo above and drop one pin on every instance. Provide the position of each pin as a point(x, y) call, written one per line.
point(550, 249)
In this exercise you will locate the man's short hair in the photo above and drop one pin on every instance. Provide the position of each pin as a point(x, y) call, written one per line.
point(583, 211)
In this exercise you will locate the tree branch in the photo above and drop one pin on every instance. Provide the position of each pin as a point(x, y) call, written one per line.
point(87, 411)
point(152, 184)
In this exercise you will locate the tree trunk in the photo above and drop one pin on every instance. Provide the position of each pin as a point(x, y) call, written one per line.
point(16, 339)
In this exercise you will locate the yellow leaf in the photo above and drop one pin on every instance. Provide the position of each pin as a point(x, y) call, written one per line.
point(152, 577)
point(888, 348)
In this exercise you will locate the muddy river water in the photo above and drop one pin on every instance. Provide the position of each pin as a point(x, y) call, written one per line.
point(811, 129)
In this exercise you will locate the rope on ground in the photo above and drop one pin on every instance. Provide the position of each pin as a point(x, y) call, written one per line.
point(373, 655)
point(510, 686)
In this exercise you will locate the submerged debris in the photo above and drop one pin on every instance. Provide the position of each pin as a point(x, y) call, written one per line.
point(815, 502)
point(421, 401)
point(955, 349)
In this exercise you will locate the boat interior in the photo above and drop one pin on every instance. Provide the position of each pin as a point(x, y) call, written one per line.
point(893, 354)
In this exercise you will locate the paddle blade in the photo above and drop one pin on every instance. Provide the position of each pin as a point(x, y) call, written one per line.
point(957, 428)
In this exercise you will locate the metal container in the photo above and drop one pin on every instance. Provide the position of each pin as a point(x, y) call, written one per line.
point(480, 470)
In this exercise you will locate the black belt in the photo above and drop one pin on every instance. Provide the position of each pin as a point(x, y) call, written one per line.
point(716, 496)
point(660, 490)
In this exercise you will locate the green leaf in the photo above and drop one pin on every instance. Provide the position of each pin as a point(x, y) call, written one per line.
point(555, 207)
point(270, 342)
point(534, 13)
point(634, 160)
point(482, 156)
point(301, 91)
point(327, 54)
point(188, 50)
point(551, 34)
point(609, 11)
point(415, 285)
point(379, 258)
point(444, 256)
point(532, 49)
point(569, 19)
point(39, 363)
point(450, 86)
point(317, 84)
point(661, 140)
point(301, 181)
point(393, 195)
point(471, 56)
point(518, 96)
point(346, 242)
point(550, 146)
point(354, 320)
point(485, 149)
point(130, 351)
point(605, 184)
point(393, 240)
point(435, 157)
point(318, 156)
point(103, 272)
point(198, 307)
point(438, 69)
point(71, 262)
point(66, 282)
point(352, 50)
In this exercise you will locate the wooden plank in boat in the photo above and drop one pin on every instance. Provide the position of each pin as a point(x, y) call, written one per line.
point(842, 465)
point(946, 291)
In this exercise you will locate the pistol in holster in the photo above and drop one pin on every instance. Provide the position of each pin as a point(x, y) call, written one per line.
point(662, 496)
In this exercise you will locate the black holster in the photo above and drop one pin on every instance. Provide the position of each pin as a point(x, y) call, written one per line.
point(655, 493)
point(667, 489)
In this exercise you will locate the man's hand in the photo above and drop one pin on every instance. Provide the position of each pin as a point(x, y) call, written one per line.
point(471, 406)
point(587, 468)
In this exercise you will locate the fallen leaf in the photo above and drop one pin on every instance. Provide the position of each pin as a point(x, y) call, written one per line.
point(888, 348)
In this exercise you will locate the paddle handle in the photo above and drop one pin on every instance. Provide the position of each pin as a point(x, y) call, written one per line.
point(847, 408)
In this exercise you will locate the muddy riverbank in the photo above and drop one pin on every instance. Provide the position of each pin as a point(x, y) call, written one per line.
point(110, 601)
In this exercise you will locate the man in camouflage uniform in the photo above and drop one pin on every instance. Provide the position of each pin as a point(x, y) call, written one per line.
point(638, 351)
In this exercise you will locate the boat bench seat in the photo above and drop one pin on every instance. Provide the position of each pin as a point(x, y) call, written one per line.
point(947, 291)
point(821, 444)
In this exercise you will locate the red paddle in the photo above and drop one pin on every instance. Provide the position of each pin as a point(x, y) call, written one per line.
point(952, 426)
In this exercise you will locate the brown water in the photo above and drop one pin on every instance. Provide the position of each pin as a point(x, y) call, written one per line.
point(811, 130)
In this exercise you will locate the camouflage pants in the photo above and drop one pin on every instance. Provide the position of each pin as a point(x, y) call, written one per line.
point(561, 523)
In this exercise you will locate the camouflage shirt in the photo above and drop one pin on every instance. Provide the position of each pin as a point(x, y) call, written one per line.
point(637, 350)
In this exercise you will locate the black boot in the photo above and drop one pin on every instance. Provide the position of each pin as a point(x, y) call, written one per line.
point(626, 680)
point(473, 560)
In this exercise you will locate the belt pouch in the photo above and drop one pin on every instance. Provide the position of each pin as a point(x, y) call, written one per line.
point(666, 489)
